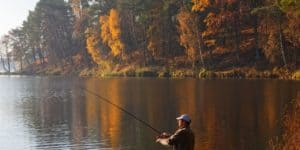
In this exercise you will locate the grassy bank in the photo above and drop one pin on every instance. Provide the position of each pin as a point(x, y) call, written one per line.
point(240, 73)
point(132, 70)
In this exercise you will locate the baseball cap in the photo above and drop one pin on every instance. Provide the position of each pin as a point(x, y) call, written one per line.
point(184, 117)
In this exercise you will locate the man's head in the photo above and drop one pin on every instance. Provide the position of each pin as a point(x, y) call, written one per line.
point(183, 121)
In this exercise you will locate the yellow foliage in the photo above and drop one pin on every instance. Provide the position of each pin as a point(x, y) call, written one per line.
point(200, 5)
point(91, 42)
point(114, 24)
point(152, 47)
point(105, 33)
point(213, 23)
point(210, 43)
point(211, 19)
point(111, 32)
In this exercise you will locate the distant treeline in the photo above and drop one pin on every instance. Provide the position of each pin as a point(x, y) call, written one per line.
point(195, 34)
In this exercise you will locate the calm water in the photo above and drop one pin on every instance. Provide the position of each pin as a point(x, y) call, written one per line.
point(54, 113)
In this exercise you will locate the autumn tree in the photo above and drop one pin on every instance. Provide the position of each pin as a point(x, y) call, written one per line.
point(111, 33)
point(190, 36)
point(55, 29)
point(91, 45)
point(162, 33)
point(134, 23)
point(5, 41)
point(212, 34)
point(20, 46)
point(82, 16)
point(32, 30)
point(275, 37)
point(291, 9)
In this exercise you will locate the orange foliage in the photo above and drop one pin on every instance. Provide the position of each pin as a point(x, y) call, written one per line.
point(111, 32)
point(105, 32)
point(188, 38)
point(213, 22)
point(200, 5)
point(293, 34)
point(114, 24)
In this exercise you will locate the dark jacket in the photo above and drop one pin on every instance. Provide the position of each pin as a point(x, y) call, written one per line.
point(182, 139)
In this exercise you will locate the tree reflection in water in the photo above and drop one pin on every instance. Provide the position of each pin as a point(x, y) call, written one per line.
point(226, 114)
point(290, 139)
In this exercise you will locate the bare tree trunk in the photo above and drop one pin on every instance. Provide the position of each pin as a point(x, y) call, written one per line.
point(200, 46)
point(21, 64)
point(237, 42)
point(281, 43)
point(33, 54)
point(256, 36)
point(145, 47)
point(7, 58)
point(27, 60)
point(41, 56)
point(255, 4)
point(132, 26)
point(237, 33)
point(3, 63)
point(8, 64)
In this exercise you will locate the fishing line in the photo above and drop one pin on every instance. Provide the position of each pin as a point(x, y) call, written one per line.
point(122, 109)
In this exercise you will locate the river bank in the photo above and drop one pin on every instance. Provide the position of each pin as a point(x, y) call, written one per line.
point(154, 71)
point(241, 73)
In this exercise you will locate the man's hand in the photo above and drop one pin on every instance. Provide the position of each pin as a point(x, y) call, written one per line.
point(163, 139)
point(164, 135)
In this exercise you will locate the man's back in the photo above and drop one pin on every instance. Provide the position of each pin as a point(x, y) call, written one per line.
point(183, 139)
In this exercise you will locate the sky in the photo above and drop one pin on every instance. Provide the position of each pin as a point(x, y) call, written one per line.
point(13, 13)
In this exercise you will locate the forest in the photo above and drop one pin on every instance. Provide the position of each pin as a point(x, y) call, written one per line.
point(165, 38)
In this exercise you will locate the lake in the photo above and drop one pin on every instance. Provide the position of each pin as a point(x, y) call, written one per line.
point(57, 113)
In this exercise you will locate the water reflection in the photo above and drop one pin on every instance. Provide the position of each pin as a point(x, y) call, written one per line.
point(55, 113)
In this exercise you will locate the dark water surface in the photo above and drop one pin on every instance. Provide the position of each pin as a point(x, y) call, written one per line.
point(55, 113)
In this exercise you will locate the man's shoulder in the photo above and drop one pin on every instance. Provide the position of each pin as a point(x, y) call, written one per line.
point(184, 130)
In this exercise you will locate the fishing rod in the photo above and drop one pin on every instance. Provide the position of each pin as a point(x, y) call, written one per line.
point(122, 109)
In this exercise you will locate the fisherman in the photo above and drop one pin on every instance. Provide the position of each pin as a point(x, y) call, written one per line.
point(183, 138)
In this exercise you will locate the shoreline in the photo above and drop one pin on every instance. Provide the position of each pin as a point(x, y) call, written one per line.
point(240, 73)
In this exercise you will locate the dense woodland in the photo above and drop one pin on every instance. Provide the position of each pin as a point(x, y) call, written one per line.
point(105, 36)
